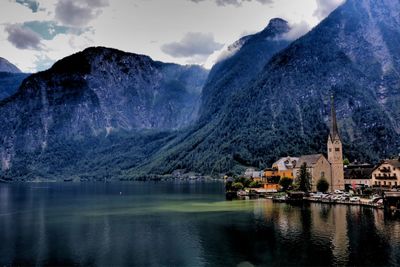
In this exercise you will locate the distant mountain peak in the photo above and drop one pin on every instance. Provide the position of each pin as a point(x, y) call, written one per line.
point(6, 66)
point(277, 26)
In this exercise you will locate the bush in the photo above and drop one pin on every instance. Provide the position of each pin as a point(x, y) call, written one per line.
point(255, 184)
point(237, 186)
point(285, 182)
point(322, 185)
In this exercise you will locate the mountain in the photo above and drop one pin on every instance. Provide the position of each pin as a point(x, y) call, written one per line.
point(240, 64)
point(6, 66)
point(10, 78)
point(10, 82)
point(352, 54)
point(90, 95)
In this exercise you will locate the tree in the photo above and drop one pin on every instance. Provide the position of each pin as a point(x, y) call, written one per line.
point(346, 162)
point(285, 182)
point(322, 185)
point(255, 184)
point(304, 179)
point(237, 186)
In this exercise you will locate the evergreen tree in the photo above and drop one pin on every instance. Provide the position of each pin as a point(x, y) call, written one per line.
point(304, 179)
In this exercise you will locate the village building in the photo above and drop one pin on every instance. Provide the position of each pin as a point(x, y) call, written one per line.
point(358, 176)
point(387, 174)
point(285, 164)
point(253, 173)
point(318, 167)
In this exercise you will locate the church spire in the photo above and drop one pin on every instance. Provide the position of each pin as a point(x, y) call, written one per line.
point(334, 133)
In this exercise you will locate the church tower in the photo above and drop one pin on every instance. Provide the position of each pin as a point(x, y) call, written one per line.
point(335, 153)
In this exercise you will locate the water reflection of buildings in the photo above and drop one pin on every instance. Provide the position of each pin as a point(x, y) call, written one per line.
point(320, 226)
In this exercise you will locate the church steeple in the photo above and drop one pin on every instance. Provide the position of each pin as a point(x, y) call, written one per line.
point(335, 152)
point(334, 133)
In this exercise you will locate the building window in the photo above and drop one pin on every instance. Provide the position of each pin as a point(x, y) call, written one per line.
point(337, 149)
point(384, 183)
point(376, 183)
point(390, 183)
point(330, 149)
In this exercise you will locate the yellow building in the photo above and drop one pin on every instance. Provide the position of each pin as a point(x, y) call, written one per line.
point(387, 174)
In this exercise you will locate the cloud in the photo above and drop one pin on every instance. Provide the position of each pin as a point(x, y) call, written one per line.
point(43, 62)
point(31, 4)
point(296, 31)
point(234, 2)
point(325, 7)
point(23, 38)
point(78, 13)
point(193, 44)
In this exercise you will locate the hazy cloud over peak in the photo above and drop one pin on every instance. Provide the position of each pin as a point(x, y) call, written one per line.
point(78, 13)
point(234, 2)
point(193, 44)
point(22, 38)
point(296, 31)
point(325, 7)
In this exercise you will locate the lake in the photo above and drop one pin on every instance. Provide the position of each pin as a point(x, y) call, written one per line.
point(183, 224)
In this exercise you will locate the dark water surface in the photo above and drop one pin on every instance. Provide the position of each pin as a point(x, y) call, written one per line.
point(172, 224)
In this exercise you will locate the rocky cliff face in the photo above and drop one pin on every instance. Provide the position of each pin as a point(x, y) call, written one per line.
point(351, 54)
point(240, 64)
point(94, 93)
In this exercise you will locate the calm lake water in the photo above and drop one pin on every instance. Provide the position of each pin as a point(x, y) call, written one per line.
point(181, 224)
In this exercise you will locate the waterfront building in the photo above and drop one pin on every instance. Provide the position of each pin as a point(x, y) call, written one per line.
point(358, 176)
point(253, 173)
point(318, 167)
point(286, 163)
point(387, 174)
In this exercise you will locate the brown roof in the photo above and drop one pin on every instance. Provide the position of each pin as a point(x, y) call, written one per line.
point(308, 159)
point(358, 171)
point(394, 162)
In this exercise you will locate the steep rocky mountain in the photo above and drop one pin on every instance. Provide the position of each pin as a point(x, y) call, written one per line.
point(6, 66)
point(240, 64)
point(93, 94)
point(10, 82)
point(10, 78)
point(352, 54)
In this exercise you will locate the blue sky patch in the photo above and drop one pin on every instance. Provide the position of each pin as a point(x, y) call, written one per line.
point(49, 29)
point(31, 4)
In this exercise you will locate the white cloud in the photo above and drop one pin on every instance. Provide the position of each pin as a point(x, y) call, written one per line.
point(296, 31)
point(78, 13)
point(325, 7)
point(236, 3)
point(193, 44)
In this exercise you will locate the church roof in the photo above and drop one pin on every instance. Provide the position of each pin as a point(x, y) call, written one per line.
point(310, 160)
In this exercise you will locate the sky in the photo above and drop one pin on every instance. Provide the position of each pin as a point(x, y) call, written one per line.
point(36, 33)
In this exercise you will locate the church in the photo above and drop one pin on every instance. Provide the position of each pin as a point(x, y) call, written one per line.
point(319, 167)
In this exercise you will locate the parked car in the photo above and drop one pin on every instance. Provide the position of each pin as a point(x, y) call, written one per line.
point(355, 199)
point(337, 191)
